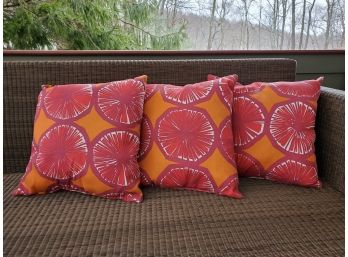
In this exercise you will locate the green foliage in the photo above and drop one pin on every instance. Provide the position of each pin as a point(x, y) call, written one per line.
point(83, 24)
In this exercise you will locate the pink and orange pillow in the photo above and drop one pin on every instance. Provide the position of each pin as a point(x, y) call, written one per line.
point(86, 136)
point(187, 140)
point(86, 139)
point(273, 128)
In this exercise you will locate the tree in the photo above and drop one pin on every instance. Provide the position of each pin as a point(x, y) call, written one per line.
point(173, 24)
point(222, 13)
point(162, 4)
point(80, 24)
point(309, 22)
point(340, 4)
point(275, 17)
point(212, 18)
point(284, 4)
point(246, 4)
point(329, 9)
point(302, 24)
point(259, 26)
point(293, 23)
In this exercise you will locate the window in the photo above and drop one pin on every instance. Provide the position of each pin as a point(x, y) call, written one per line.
point(174, 24)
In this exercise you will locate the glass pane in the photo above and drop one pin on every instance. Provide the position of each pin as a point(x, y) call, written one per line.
point(174, 24)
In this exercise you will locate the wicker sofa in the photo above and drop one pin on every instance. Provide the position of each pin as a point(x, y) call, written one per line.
point(271, 220)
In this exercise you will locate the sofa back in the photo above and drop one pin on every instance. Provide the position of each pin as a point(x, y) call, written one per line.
point(23, 80)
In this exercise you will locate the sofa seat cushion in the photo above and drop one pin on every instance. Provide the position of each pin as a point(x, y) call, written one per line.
point(271, 220)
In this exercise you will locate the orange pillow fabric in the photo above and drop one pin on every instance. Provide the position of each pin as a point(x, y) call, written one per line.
point(273, 128)
point(86, 139)
point(187, 137)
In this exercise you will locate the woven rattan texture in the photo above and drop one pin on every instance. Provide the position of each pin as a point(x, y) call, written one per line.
point(330, 137)
point(23, 80)
point(271, 220)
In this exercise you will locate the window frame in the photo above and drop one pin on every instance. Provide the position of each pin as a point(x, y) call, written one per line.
point(166, 52)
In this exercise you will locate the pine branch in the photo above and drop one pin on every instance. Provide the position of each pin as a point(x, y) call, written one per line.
point(137, 27)
point(144, 31)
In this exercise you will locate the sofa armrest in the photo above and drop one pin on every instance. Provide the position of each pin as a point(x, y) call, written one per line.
point(330, 137)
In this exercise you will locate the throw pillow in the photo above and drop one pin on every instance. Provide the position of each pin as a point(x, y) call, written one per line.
point(273, 129)
point(187, 140)
point(86, 139)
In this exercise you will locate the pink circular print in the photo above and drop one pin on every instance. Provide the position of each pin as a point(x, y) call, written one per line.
point(226, 138)
point(185, 134)
point(62, 153)
point(114, 158)
point(248, 120)
point(298, 88)
point(145, 137)
point(122, 101)
point(247, 166)
point(187, 94)
point(38, 105)
point(294, 172)
point(149, 90)
point(292, 127)
point(68, 101)
point(145, 178)
point(230, 187)
point(185, 177)
point(226, 93)
point(251, 88)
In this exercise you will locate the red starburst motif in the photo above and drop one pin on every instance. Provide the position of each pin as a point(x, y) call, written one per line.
point(187, 94)
point(306, 88)
point(292, 127)
point(248, 120)
point(145, 137)
point(114, 158)
point(122, 101)
point(186, 177)
point(68, 101)
point(226, 91)
point(145, 178)
point(251, 88)
point(185, 134)
point(230, 187)
point(62, 153)
point(247, 167)
point(226, 137)
point(294, 172)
